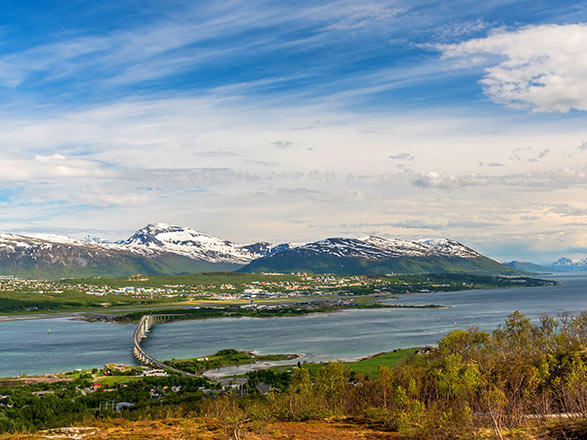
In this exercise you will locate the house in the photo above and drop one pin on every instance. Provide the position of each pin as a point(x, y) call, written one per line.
point(233, 382)
point(264, 388)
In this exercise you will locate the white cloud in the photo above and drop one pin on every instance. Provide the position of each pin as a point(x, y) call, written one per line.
point(402, 156)
point(542, 68)
point(50, 167)
point(281, 144)
point(47, 158)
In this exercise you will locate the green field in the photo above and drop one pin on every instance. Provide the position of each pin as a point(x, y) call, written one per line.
point(368, 366)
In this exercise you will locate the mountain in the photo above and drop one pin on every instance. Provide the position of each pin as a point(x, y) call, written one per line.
point(157, 248)
point(161, 237)
point(378, 255)
point(265, 249)
point(567, 265)
point(525, 266)
point(160, 248)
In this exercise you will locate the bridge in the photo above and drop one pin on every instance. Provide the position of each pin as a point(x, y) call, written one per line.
point(140, 333)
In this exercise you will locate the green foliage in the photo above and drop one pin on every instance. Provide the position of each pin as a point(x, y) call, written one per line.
point(26, 411)
point(277, 378)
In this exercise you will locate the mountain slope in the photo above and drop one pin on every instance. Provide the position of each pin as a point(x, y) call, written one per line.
point(377, 255)
point(155, 249)
point(52, 257)
point(161, 237)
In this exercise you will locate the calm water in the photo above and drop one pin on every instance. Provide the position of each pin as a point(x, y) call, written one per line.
point(26, 347)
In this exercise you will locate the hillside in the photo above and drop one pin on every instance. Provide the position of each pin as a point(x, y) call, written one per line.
point(527, 267)
point(155, 249)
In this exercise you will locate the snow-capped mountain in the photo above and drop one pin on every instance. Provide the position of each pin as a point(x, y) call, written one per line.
point(372, 247)
point(161, 248)
point(162, 237)
point(446, 247)
point(155, 249)
point(97, 240)
point(567, 265)
point(264, 249)
point(378, 255)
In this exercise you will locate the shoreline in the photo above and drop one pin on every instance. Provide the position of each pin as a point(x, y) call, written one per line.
point(111, 311)
point(106, 317)
point(59, 376)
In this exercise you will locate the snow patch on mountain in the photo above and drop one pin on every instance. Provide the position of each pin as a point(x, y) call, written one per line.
point(570, 264)
point(373, 247)
point(162, 237)
point(451, 248)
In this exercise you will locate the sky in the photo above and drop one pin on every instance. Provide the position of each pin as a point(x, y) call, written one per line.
point(297, 121)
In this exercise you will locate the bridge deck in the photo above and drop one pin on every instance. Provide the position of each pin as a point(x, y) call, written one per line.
point(145, 324)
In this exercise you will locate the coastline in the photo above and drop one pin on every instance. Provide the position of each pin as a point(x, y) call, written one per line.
point(213, 373)
point(111, 317)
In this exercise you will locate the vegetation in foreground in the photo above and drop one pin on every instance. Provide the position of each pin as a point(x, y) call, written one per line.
point(205, 428)
point(523, 380)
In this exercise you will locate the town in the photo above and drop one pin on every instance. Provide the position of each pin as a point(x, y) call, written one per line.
point(19, 295)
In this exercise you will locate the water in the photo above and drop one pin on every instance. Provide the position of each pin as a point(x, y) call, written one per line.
point(26, 347)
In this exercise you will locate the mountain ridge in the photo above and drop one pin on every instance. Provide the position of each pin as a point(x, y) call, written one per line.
point(378, 255)
point(161, 248)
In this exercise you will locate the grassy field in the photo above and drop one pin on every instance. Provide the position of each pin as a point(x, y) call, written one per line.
point(117, 380)
point(370, 365)
point(367, 366)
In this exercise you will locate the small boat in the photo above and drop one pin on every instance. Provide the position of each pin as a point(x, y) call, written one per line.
point(49, 331)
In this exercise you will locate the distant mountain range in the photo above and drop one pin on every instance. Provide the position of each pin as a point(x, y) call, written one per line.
point(561, 265)
point(525, 266)
point(160, 248)
point(568, 265)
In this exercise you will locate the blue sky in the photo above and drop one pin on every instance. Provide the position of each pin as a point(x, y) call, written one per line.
point(280, 121)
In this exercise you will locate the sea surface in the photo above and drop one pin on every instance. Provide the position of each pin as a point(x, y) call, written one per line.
point(62, 344)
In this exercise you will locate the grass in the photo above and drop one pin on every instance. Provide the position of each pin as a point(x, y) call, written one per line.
point(370, 365)
point(117, 380)
point(367, 366)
